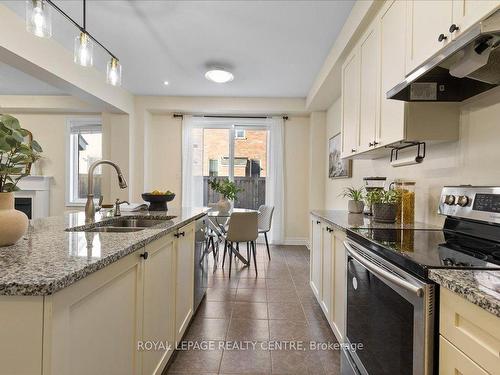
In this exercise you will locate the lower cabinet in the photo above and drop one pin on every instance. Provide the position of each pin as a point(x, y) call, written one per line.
point(121, 320)
point(184, 280)
point(94, 325)
point(453, 362)
point(328, 273)
point(159, 298)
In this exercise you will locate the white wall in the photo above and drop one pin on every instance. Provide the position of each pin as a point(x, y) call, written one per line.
point(473, 159)
point(163, 164)
point(49, 130)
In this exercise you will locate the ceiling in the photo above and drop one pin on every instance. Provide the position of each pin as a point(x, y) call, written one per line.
point(274, 48)
point(16, 82)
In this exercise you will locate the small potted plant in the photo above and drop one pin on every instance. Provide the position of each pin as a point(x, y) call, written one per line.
point(228, 191)
point(355, 205)
point(384, 204)
point(18, 151)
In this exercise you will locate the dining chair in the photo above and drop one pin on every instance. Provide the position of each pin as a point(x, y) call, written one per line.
point(265, 218)
point(242, 228)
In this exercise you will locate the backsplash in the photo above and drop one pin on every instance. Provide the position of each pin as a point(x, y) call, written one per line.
point(474, 159)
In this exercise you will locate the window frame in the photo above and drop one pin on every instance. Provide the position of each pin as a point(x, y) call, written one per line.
point(72, 156)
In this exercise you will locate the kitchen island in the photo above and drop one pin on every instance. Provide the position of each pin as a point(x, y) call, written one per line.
point(85, 302)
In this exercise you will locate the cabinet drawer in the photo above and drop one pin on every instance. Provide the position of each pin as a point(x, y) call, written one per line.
point(453, 362)
point(471, 329)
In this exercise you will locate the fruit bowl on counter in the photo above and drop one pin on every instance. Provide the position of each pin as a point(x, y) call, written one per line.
point(158, 200)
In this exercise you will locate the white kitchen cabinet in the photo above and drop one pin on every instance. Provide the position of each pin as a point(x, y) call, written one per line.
point(184, 280)
point(315, 257)
point(467, 12)
point(93, 326)
point(326, 290)
point(427, 20)
point(350, 103)
point(339, 284)
point(453, 362)
point(159, 302)
point(392, 71)
point(369, 59)
point(328, 273)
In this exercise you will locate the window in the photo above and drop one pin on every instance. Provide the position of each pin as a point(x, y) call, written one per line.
point(213, 168)
point(239, 134)
point(84, 146)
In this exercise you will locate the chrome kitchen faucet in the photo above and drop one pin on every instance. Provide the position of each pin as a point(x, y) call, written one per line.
point(89, 206)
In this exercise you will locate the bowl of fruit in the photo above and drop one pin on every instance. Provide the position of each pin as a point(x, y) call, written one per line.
point(158, 199)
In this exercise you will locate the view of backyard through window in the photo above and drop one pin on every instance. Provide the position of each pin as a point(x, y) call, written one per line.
point(242, 158)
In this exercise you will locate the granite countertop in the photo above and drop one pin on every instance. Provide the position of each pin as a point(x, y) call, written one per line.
point(479, 287)
point(343, 220)
point(49, 257)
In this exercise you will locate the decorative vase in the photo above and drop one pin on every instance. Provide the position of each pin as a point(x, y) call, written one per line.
point(13, 222)
point(355, 207)
point(385, 212)
point(224, 205)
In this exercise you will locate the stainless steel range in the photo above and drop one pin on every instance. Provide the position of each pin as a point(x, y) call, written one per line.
point(391, 304)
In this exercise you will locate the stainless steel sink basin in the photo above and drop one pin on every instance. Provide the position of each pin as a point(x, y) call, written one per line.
point(138, 223)
point(114, 229)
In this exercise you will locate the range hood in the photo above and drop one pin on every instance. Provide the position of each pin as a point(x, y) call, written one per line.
point(464, 68)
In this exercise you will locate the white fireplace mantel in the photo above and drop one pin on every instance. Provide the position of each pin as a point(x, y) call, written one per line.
point(38, 189)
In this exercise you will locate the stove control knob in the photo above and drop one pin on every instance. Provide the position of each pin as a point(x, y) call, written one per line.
point(463, 200)
point(449, 200)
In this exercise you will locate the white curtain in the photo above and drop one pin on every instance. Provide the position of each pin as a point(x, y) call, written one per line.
point(192, 163)
point(275, 180)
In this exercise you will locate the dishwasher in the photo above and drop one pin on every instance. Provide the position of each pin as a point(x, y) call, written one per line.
point(200, 262)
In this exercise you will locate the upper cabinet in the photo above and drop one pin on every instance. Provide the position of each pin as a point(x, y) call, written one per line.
point(392, 71)
point(399, 38)
point(427, 32)
point(467, 12)
point(434, 24)
point(350, 104)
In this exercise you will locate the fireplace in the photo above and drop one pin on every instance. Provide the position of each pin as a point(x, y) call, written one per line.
point(34, 197)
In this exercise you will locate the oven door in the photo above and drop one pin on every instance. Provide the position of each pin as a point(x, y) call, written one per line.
point(389, 317)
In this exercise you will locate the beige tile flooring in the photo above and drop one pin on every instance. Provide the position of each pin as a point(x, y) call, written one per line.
point(278, 304)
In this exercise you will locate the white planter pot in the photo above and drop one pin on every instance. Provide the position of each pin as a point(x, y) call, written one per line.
point(355, 207)
point(13, 222)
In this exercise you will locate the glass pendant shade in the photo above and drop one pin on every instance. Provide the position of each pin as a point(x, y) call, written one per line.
point(38, 18)
point(114, 72)
point(84, 50)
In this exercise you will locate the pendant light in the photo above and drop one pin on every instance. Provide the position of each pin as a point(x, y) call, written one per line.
point(84, 50)
point(114, 72)
point(38, 22)
point(38, 18)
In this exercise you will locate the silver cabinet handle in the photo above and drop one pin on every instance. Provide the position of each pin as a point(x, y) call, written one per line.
point(379, 271)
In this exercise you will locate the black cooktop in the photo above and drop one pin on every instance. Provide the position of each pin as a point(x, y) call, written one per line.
point(420, 250)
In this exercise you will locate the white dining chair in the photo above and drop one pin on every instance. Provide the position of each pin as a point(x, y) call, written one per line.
point(265, 218)
point(242, 228)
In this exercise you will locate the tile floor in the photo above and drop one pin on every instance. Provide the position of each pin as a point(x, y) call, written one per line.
point(277, 305)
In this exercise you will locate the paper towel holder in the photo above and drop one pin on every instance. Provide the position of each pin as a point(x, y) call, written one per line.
point(399, 162)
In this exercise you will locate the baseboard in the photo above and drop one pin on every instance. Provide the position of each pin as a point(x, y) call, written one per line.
point(298, 241)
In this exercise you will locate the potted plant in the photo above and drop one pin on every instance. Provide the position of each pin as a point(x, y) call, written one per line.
point(228, 191)
point(384, 204)
point(18, 151)
point(355, 204)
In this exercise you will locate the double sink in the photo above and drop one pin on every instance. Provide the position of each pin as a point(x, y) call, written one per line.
point(126, 225)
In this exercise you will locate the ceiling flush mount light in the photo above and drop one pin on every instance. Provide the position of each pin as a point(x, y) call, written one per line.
point(84, 50)
point(165, 83)
point(38, 22)
point(38, 18)
point(114, 72)
point(219, 75)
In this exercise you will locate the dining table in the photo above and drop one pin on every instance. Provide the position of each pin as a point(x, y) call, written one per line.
point(218, 221)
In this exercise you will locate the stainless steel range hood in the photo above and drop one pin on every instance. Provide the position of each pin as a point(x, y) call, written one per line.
point(464, 68)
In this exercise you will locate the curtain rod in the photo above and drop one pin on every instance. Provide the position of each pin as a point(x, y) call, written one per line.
point(180, 115)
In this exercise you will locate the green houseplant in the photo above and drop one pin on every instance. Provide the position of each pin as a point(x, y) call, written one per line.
point(355, 204)
point(18, 151)
point(228, 191)
point(384, 204)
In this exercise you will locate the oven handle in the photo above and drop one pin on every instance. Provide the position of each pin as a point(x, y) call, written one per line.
point(379, 271)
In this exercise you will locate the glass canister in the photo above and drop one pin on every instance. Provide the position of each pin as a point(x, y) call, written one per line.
point(406, 204)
